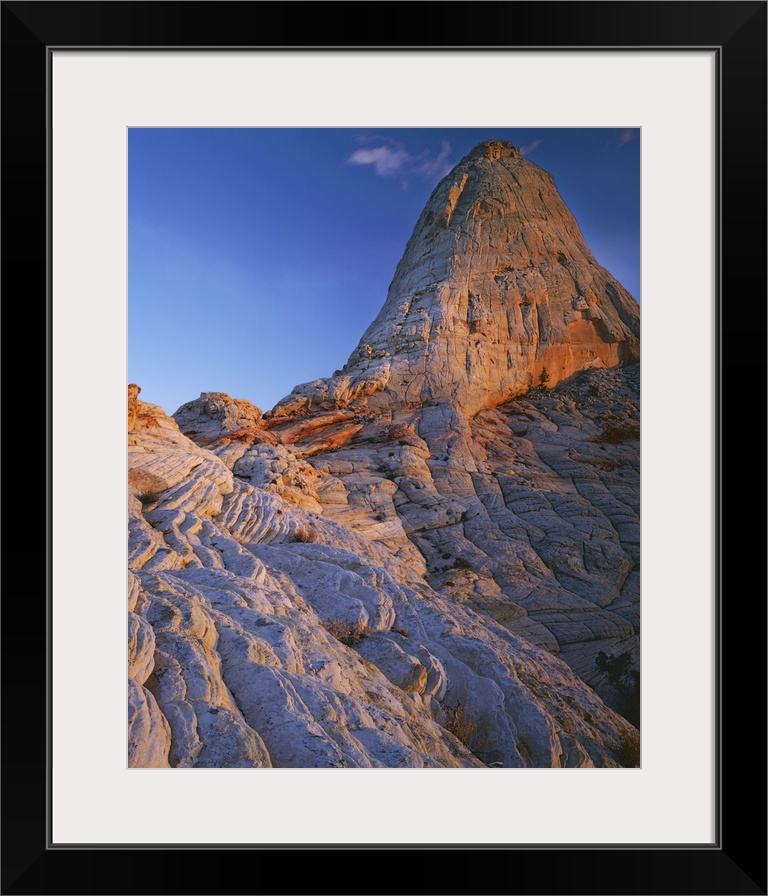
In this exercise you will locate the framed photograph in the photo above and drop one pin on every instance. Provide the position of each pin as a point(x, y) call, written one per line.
point(687, 81)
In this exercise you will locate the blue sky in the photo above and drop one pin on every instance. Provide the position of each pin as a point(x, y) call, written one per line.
point(258, 256)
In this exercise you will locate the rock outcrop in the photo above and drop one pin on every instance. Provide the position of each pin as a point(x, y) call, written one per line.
point(496, 289)
point(264, 634)
point(429, 559)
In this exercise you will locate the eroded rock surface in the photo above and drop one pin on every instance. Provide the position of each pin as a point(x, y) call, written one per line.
point(429, 559)
point(266, 634)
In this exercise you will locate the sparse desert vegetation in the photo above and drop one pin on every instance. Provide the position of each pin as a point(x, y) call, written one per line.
point(305, 534)
point(628, 749)
point(616, 433)
point(350, 635)
point(463, 725)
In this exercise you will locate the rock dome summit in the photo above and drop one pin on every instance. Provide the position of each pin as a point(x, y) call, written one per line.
point(496, 288)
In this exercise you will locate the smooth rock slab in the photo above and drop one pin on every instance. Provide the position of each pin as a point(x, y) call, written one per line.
point(149, 735)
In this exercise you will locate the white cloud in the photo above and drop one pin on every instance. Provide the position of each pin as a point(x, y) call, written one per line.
point(392, 159)
point(386, 160)
point(530, 147)
point(627, 136)
point(436, 166)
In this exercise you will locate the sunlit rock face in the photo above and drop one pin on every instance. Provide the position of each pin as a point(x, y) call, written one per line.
point(496, 301)
point(263, 634)
point(496, 290)
point(429, 559)
point(529, 512)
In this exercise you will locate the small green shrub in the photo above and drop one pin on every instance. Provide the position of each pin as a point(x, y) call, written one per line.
point(607, 464)
point(628, 750)
point(305, 534)
point(616, 433)
point(524, 748)
point(461, 563)
point(149, 497)
point(462, 724)
point(614, 667)
point(543, 378)
point(350, 635)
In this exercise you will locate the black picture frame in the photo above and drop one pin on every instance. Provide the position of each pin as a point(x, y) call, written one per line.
point(736, 862)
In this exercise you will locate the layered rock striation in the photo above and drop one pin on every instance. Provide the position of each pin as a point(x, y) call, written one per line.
point(265, 634)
